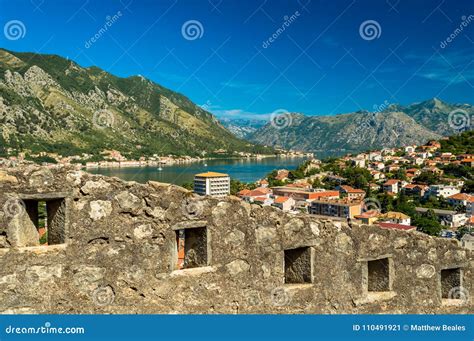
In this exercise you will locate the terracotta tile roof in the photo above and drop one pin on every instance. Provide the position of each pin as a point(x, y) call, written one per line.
point(391, 182)
point(281, 200)
point(299, 185)
point(244, 192)
point(460, 196)
point(343, 201)
point(396, 226)
point(260, 199)
point(256, 193)
point(356, 190)
point(350, 189)
point(410, 186)
point(368, 214)
point(325, 194)
point(265, 190)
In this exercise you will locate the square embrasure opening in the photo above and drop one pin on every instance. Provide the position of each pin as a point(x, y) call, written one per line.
point(49, 217)
point(450, 283)
point(298, 265)
point(378, 275)
point(192, 247)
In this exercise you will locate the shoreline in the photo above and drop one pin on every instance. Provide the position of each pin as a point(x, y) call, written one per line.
point(172, 162)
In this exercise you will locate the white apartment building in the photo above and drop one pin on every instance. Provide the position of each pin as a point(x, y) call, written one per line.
point(212, 183)
point(442, 191)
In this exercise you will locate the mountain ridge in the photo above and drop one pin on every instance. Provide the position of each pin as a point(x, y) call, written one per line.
point(338, 134)
point(52, 104)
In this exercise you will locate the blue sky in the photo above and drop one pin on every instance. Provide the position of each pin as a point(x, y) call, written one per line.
point(323, 62)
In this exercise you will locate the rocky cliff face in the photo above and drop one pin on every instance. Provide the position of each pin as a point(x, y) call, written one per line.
point(113, 248)
point(48, 103)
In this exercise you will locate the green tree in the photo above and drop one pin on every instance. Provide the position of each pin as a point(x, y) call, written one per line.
point(427, 178)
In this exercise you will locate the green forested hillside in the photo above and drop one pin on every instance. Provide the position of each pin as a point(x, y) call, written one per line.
point(49, 103)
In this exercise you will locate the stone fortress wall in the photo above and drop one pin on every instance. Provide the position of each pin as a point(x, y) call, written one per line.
point(112, 248)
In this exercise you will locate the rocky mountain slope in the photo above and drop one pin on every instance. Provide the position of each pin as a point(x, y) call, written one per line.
point(354, 132)
point(242, 127)
point(48, 103)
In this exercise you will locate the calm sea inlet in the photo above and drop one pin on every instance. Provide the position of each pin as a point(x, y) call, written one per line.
point(246, 170)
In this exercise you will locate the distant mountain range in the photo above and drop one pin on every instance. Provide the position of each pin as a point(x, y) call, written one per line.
point(242, 128)
point(394, 126)
point(51, 104)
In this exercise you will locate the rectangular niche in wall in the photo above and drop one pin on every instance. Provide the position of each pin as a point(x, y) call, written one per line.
point(450, 281)
point(49, 217)
point(298, 265)
point(192, 247)
point(378, 275)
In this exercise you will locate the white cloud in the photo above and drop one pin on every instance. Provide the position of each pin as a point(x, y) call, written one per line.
point(240, 114)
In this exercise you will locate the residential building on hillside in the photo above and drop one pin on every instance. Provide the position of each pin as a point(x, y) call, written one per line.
point(467, 241)
point(284, 203)
point(415, 190)
point(300, 194)
point(468, 162)
point(368, 217)
point(264, 201)
point(459, 199)
point(212, 183)
point(251, 195)
point(470, 206)
point(340, 208)
point(442, 191)
point(395, 218)
point(446, 217)
point(358, 162)
point(377, 175)
point(351, 193)
point(300, 185)
point(375, 156)
point(282, 175)
point(392, 186)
